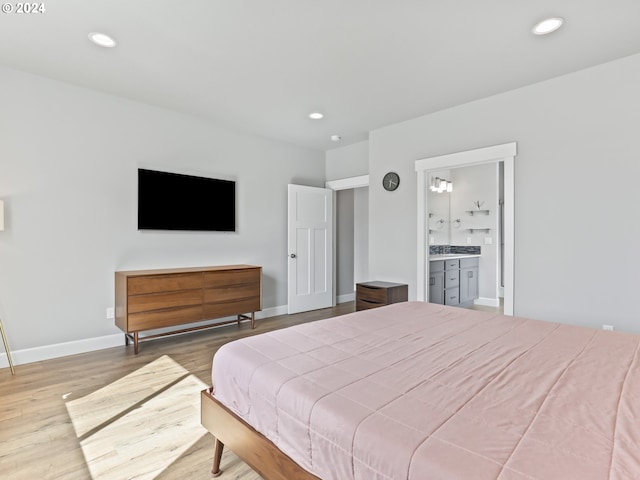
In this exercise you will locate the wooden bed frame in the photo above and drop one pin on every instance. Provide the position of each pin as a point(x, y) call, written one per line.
point(251, 446)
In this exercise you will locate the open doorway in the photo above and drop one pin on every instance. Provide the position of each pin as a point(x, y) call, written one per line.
point(465, 236)
point(495, 155)
point(351, 235)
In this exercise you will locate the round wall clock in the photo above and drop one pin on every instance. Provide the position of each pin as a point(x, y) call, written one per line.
point(391, 181)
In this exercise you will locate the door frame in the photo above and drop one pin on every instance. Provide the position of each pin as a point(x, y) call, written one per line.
point(335, 185)
point(498, 153)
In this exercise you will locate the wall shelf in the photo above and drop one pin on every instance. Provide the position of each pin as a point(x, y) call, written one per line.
point(479, 212)
point(473, 230)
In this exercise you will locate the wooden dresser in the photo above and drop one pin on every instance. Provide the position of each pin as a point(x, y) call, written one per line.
point(377, 294)
point(154, 299)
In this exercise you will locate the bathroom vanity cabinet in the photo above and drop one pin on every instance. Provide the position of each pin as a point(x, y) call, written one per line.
point(454, 280)
point(468, 279)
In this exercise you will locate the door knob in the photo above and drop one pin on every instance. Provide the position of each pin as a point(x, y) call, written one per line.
point(293, 255)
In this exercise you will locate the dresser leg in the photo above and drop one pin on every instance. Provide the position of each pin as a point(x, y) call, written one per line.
point(135, 342)
point(253, 319)
point(239, 318)
point(126, 340)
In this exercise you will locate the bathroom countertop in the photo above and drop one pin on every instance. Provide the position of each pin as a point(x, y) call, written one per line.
point(453, 256)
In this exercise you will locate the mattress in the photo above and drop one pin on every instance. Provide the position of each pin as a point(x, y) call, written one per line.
point(422, 391)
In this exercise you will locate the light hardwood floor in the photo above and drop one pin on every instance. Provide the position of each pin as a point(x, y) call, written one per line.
point(112, 415)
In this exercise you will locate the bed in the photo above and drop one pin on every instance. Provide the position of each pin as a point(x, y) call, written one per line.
point(422, 391)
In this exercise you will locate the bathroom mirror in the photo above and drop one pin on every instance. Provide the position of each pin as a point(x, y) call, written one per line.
point(464, 205)
point(439, 202)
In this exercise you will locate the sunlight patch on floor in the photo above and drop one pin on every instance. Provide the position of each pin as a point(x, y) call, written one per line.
point(140, 424)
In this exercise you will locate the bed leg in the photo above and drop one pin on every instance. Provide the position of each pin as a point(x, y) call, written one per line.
point(217, 455)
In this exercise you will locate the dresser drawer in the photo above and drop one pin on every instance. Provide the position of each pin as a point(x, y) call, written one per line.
point(223, 294)
point(159, 301)
point(231, 277)
point(164, 283)
point(164, 318)
point(224, 309)
point(371, 294)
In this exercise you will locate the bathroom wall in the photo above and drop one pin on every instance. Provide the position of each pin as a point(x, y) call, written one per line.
point(470, 185)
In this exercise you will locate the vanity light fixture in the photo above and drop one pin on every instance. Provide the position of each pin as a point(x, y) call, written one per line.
point(440, 185)
point(101, 39)
point(316, 116)
point(548, 25)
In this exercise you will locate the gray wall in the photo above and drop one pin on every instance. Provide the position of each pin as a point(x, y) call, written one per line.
point(478, 183)
point(349, 161)
point(68, 160)
point(575, 238)
point(344, 242)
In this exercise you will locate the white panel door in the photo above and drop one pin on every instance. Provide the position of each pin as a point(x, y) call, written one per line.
point(310, 255)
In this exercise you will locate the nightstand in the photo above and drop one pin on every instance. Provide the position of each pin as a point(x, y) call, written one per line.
point(378, 294)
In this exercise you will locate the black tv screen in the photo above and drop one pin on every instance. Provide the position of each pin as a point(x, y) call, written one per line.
point(171, 201)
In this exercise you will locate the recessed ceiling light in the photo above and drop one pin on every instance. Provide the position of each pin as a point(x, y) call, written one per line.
point(316, 115)
point(102, 39)
point(548, 25)
point(336, 138)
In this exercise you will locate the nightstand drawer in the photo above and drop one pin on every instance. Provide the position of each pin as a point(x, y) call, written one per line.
point(371, 294)
point(365, 305)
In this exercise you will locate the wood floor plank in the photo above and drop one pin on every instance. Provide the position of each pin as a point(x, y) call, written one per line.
point(111, 415)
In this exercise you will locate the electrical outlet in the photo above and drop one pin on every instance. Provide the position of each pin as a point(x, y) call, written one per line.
point(469, 240)
point(488, 240)
point(607, 327)
point(110, 313)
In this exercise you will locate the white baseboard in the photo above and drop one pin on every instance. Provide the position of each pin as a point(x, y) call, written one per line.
point(47, 352)
point(487, 302)
point(273, 311)
point(349, 297)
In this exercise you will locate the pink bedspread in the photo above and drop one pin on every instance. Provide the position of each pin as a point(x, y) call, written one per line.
point(422, 391)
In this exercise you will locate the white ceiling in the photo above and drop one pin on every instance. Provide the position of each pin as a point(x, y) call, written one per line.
point(263, 65)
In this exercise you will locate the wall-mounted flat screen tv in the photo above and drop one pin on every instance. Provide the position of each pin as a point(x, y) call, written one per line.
point(171, 201)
